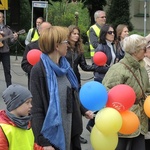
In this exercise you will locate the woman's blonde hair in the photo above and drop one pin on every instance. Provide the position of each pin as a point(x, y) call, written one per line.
point(49, 38)
point(134, 43)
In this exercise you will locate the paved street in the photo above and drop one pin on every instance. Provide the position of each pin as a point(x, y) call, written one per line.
point(19, 77)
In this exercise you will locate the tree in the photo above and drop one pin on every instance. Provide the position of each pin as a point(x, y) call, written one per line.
point(119, 13)
point(93, 6)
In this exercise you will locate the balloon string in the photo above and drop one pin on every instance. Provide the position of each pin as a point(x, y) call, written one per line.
point(87, 78)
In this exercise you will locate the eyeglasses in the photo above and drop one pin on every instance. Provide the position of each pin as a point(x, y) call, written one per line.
point(64, 42)
point(111, 32)
point(102, 17)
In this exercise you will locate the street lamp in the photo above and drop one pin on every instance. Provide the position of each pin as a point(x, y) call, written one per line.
point(145, 5)
point(76, 17)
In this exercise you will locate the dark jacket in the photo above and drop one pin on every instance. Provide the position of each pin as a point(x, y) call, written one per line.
point(4, 48)
point(101, 70)
point(25, 65)
point(41, 103)
point(120, 51)
point(75, 59)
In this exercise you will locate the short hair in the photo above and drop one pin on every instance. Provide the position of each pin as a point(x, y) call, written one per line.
point(134, 43)
point(41, 18)
point(50, 37)
point(103, 33)
point(119, 30)
point(96, 14)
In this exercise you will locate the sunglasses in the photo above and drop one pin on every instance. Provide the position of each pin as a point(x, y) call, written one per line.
point(111, 32)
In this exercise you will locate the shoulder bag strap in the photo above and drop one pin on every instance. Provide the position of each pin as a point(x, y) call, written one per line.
point(135, 78)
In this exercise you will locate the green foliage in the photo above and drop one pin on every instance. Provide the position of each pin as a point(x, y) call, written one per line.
point(25, 15)
point(119, 13)
point(93, 6)
point(64, 14)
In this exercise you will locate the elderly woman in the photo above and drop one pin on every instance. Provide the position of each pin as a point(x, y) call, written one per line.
point(122, 73)
point(56, 111)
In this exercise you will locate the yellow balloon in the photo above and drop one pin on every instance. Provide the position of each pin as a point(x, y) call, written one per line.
point(108, 120)
point(102, 141)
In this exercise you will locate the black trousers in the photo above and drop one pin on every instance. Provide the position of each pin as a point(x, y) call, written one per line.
point(137, 143)
point(75, 143)
point(5, 59)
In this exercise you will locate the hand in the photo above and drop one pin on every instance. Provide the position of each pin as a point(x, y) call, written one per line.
point(48, 148)
point(2, 33)
point(89, 114)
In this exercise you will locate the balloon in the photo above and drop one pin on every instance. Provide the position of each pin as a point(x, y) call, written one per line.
point(101, 141)
point(108, 120)
point(33, 56)
point(147, 106)
point(121, 97)
point(100, 58)
point(93, 95)
point(130, 122)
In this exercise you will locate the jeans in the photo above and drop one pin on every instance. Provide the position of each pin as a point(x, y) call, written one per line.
point(5, 59)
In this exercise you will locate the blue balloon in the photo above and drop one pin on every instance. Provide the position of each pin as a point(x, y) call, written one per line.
point(93, 95)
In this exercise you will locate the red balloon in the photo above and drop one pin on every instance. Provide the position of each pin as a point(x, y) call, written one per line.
point(33, 56)
point(121, 97)
point(100, 58)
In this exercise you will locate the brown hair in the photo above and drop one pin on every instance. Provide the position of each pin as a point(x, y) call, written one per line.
point(78, 44)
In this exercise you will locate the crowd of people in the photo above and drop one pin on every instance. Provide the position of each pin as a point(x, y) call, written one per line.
point(48, 114)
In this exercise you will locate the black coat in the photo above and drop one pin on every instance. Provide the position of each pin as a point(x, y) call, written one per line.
point(25, 65)
point(39, 90)
point(101, 70)
point(75, 59)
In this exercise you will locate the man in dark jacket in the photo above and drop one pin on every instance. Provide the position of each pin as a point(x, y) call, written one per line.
point(25, 65)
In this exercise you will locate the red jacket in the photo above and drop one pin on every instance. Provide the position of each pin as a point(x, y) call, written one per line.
point(3, 140)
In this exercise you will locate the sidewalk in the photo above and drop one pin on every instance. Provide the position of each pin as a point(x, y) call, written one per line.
point(19, 77)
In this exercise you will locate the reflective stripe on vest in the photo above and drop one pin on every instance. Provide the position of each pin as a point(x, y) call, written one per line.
point(35, 36)
point(18, 138)
point(97, 32)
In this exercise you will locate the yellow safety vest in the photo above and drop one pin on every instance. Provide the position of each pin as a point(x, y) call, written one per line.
point(97, 32)
point(35, 35)
point(18, 139)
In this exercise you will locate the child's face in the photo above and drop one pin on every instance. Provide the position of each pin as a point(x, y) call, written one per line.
point(24, 109)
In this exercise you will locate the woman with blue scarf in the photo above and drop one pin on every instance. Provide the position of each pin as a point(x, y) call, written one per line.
point(55, 106)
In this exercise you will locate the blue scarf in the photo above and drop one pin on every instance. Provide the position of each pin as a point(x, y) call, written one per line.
point(52, 127)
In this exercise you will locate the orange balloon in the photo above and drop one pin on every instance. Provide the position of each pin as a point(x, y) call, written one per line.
point(130, 122)
point(147, 106)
